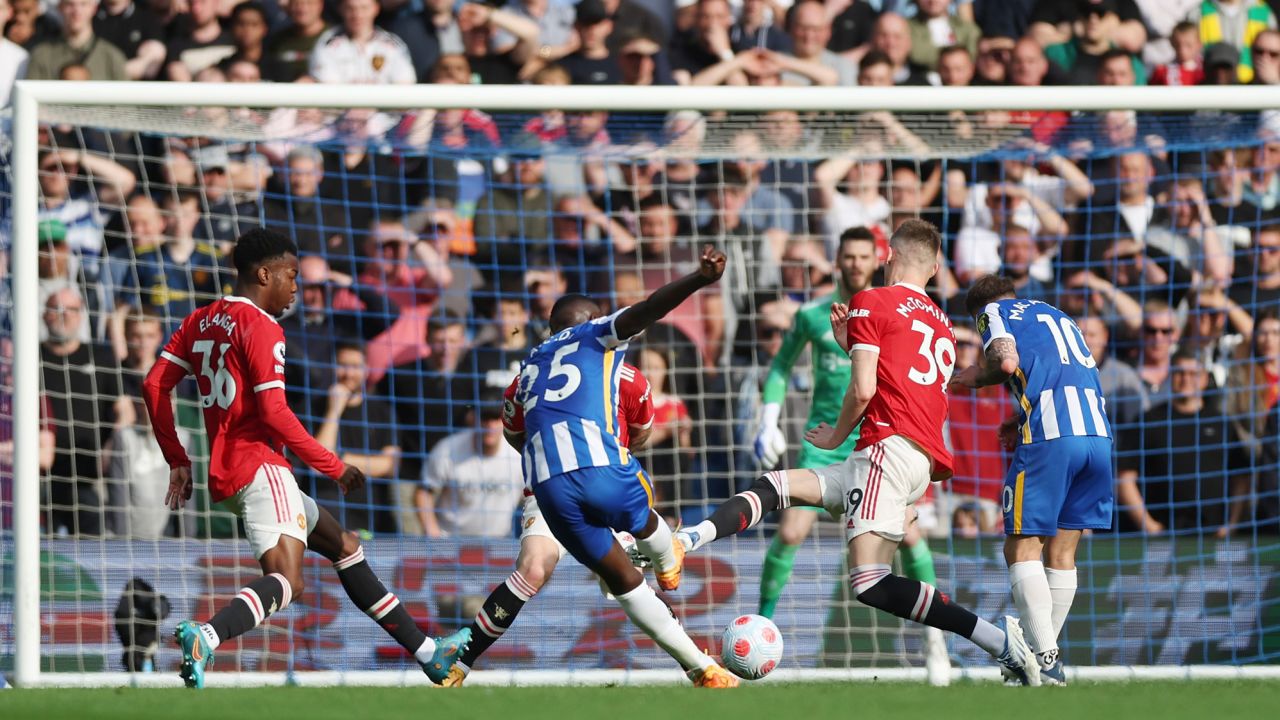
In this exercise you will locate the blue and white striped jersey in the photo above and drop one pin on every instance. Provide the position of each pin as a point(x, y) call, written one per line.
point(568, 389)
point(1056, 383)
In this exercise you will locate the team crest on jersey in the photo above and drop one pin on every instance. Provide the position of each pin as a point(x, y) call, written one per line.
point(378, 62)
point(983, 323)
point(302, 521)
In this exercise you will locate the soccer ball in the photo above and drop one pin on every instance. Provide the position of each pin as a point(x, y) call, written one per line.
point(751, 647)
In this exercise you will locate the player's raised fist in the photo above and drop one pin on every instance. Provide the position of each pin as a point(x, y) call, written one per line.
point(711, 264)
point(352, 479)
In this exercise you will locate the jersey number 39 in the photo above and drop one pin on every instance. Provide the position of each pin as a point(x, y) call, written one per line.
point(939, 355)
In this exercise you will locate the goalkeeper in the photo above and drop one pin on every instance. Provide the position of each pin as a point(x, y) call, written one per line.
point(857, 261)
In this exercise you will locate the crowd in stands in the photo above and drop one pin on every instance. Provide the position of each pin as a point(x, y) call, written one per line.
point(433, 243)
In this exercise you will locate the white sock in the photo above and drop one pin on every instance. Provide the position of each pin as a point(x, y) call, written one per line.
point(988, 637)
point(1062, 586)
point(210, 636)
point(652, 616)
point(659, 547)
point(1031, 594)
point(705, 532)
point(424, 653)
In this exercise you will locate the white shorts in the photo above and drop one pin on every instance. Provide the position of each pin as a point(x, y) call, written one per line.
point(534, 525)
point(273, 505)
point(872, 489)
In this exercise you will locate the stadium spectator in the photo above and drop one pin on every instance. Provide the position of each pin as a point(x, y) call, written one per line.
point(766, 208)
point(249, 32)
point(331, 309)
point(59, 268)
point(513, 220)
point(358, 428)
point(197, 41)
point(991, 64)
point(494, 358)
point(30, 25)
point(765, 67)
point(891, 35)
point(1207, 334)
point(138, 33)
point(429, 35)
point(1086, 57)
point(955, 66)
point(707, 44)
point(756, 29)
point(426, 395)
point(145, 228)
point(1253, 384)
point(805, 271)
point(1018, 254)
point(287, 55)
point(82, 384)
point(1262, 187)
point(851, 27)
point(13, 59)
point(631, 15)
point(1125, 393)
point(810, 30)
point(1052, 22)
point(77, 45)
point(483, 28)
point(1262, 293)
point(556, 35)
point(638, 59)
point(851, 191)
point(934, 28)
point(1187, 66)
point(229, 192)
point(1236, 23)
point(583, 237)
point(1003, 205)
point(1160, 335)
point(1185, 230)
point(357, 51)
point(473, 482)
point(1186, 458)
point(975, 417)
point(754, 255)
point(669, 452)
point(1228, 169)
point(1129, 217)
point(592, 63)
point(138, 473)
point(317, 224)
point(1265, 53)
point(80, 206)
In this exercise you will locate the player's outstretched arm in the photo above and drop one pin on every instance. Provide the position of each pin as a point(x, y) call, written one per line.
point(1000, 363)
point(637, 318)
point(862, 388)
point(770, 443)
point(157, 393)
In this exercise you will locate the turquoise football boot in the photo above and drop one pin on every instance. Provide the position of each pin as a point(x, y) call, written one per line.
point(448, 649)
point(196, 655)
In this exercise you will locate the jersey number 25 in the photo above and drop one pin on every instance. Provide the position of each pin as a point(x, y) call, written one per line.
point(571, 374)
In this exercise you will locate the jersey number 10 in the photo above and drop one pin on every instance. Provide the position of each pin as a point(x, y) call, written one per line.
point(1067, 335)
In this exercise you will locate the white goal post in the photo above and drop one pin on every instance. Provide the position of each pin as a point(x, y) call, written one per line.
point(30, 97)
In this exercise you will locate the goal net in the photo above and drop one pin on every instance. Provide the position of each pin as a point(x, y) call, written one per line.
point(434, 242)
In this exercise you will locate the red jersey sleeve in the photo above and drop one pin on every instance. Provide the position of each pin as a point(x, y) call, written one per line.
point(157, 390)
point(512, 413)
point(263, 348)
point(868, 319)
point(636, 399)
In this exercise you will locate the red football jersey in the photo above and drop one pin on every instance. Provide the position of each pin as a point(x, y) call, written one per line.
point(236, 351)
point(635, 405)
point(917, 356)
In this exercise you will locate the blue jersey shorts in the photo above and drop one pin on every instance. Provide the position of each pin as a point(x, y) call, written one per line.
point(583, 507)
point(1061, 483)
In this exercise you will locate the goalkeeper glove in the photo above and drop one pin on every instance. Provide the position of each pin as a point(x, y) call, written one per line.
point(770, 444)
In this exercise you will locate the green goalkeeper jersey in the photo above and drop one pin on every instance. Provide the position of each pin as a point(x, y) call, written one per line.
point(831, 370)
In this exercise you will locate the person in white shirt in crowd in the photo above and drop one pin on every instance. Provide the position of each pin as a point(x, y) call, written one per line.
point(13, 59)
point(473, 481)
point(357, 51)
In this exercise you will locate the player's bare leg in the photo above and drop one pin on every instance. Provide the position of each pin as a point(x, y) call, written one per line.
point(777, 489)
point(534, 565)
point(1043, 610)
point(343, 549)
point(794, 526)
point(651, 615)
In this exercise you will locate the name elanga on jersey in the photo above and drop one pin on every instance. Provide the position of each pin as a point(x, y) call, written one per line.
point(221, 320)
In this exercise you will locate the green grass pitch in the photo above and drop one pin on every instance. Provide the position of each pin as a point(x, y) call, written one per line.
point(870, 700)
